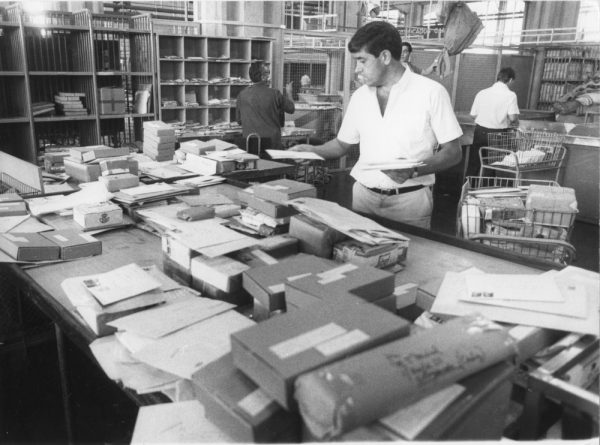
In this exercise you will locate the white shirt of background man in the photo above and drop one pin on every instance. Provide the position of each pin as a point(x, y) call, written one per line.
point(492, 106)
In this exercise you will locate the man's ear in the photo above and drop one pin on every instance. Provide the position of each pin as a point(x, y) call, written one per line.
point(385, 56)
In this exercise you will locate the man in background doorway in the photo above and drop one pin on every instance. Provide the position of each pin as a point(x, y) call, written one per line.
point(495, 110)
point(261, 110)
point(405, 59)
point(305, 81)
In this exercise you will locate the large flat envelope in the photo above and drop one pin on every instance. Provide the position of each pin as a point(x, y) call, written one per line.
point(160, 321)
point(511, 287)
point(171, 423)
point(184, 352)
point(454, 286)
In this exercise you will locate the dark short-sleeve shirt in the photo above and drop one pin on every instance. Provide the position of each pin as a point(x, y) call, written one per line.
point(260, 109)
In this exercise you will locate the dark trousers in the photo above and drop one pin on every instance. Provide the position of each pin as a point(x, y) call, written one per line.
point(480, 139)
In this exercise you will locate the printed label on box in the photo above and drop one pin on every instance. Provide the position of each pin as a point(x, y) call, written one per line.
point(336, 274)
point(64, 239)
point(306, 341)
point(255, 402)
point(342, 342)
point(88, 237)
point(268, 259)
point(16, 238)
point(275, 186)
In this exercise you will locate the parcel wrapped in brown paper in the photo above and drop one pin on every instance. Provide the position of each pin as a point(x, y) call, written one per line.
point(349, 393)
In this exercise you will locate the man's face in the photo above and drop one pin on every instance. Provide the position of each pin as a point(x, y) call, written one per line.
point(369, 69)
point(405, 55)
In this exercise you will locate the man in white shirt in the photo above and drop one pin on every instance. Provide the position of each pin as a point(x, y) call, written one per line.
point(494, 109)
point(395, 114)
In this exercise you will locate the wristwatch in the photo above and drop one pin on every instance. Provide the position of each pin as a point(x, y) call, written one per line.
point(415, 173)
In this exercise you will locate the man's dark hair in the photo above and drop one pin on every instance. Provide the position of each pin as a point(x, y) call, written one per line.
point(255, 72)
point(506, 74)
point(374, 37)
point(408, 45)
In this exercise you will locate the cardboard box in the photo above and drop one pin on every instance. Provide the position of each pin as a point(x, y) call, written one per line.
point(29, 247)
point(279, 246)
point(222, 145)
point(267, 283)
point(176, 271)
point(112, 93)
point(270, 208)
point(501, 208)
point(55, 162)
point(114, 166)
point(239, 407)
point(92, 152)
point(74, 244)
point(158, 128)
point(10, 197)
point(313, 236)
point(14, 208)
point(91, 172)
point(208, 166)
point(553, 206)
point(282, 190)
point(275, 352)
point(98, 216)
point(178, 252)
point(381, 256)
point(220, 278)
point(114, 183)
point(387, 378)
point(339, 283)
point(112, 107)
point(196, 147)
point(159, 142)
point(253, 257)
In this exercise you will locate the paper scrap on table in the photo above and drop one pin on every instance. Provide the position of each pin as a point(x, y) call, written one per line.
point(511, 287)
point(160, 321)
point(289, 154)
point(171, 423)
point(184, 352)
point(411, 420)
point(90, 193)
point(120, 283)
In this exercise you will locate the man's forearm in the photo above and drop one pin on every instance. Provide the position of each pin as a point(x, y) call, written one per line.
point(332, 149)
point(448, 155)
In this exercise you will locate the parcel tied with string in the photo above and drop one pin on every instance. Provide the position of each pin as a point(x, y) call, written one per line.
point(363, 388)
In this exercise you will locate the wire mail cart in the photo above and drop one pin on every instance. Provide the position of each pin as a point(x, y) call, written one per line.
point(520, 151)
point(493, 211)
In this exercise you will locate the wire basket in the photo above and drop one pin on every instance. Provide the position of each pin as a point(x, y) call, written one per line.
point(496, 212)
point(523, 150)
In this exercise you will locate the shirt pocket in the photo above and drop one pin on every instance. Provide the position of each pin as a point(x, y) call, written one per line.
point(409, 128)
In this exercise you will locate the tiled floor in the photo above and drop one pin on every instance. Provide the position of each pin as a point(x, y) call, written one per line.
point(30, 398)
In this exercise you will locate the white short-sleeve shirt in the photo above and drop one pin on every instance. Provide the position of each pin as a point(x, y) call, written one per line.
point(418, 116)
point(492, 106)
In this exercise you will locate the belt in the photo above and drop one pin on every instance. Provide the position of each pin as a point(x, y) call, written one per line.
point(399, 191)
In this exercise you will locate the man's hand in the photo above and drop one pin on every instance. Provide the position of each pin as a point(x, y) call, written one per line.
point(399, 176)
point(289, 89)
point(302, 147)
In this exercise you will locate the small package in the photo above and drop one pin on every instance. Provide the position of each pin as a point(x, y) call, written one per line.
point(158, 128)
point(270, 208)
point(553, 206)
point(93, 152)
point(114, 183)
point(314, 237)
point(282, 190)
point(98, 216)
point(380, 256)
point(240, 408)
point(220, 278)
point(29, 247)
point(196, 147)
point(278, 350)
point(114, 166)
point(112, 100)
point(74, 244)
point(14, 208)
point(196, 213)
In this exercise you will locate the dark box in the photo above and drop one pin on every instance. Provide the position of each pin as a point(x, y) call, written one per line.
point(270, 208)
point(275, 352)
point(314, 236)
point(29, 247)
point(74, 244)
point(239, 407)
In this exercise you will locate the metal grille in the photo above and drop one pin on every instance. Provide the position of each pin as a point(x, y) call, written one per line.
point(315, 66)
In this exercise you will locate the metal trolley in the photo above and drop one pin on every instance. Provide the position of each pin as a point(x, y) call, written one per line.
point(519, 151)
point(493, 211)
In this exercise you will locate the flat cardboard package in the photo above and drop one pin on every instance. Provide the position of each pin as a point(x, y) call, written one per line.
point(97, 216)
point(114, 166)
point(554, 206)
point(92, 152)
point(282, 190)
point(29, 247)
point(279, 246)
point(270, 208)
point(314, 236)
point(14, 208)
point(10, 197)
point(196, 147)
point(121, 181)
point(380, 381)
point(275, 352)
point(339, 282)
point(112, 100)
point(158, 128)
point(381, 256)
point(91, 172)
point(74, 244)
point(220, 278)
point(267, 283)
point(240, 408)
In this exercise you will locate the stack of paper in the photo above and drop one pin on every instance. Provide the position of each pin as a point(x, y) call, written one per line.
point(289, 154)
point(568, 300)
point(152, 192)
point(392, 164)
